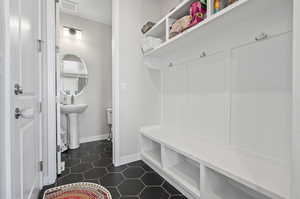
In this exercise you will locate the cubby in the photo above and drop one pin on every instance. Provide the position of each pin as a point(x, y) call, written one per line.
point(233, 19)
point(218, 186)
point(151, 150)
point(184, 170)
point(158, 30)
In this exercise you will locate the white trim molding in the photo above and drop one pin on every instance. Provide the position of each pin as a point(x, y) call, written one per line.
point(49, 94)
point(83, 16)
point(6, 183)
point(115, 82)
point(93, 138)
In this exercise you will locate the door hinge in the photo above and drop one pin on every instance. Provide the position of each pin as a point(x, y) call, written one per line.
point(57, 49)
point(40, 106)
point(39, 45)
point(41, 166)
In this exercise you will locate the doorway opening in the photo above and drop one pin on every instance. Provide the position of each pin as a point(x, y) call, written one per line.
point(83, 87)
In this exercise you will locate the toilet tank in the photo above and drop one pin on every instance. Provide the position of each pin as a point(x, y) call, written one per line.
point(109, 116)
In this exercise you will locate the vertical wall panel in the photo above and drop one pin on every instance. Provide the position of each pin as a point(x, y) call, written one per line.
point(261, 99)
point(174, 99)
point(208, 98)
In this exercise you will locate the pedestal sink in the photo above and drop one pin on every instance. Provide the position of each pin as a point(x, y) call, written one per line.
point(72, 111)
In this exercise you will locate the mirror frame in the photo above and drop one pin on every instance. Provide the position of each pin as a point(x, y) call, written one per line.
point(84, 64)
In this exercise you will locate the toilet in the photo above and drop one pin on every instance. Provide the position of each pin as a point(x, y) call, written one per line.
point(109, 122)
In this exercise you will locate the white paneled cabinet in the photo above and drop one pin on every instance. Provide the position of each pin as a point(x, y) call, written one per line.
point(226, 103)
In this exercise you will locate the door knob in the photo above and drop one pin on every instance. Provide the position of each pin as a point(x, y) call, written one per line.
point(25, 114)
point(18, 113)
point(18, 89)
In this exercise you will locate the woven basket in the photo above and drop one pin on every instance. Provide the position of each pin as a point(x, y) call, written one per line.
point(82, 190)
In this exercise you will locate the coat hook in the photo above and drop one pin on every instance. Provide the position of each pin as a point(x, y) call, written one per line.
point(203, 54)
point(261, 36)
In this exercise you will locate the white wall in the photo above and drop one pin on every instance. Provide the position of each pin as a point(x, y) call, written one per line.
point(2, 130)
point(95, 49)
point(167, 5)
point(138, 93)
point(296, 106)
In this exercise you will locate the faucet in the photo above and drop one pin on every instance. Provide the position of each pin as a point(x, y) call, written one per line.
point(72, 99)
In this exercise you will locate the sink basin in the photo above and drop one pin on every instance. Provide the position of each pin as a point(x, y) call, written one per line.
point(72, 111)
point(73, 108)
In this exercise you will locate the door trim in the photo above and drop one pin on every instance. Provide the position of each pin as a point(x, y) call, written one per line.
point(49, 94)
point(115, 82)
point(5, 103)
point(49, 140)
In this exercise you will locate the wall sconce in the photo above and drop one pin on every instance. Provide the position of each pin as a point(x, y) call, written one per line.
point(72, 32)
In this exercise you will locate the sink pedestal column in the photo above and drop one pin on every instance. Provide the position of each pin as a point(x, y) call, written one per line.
point(74, 133)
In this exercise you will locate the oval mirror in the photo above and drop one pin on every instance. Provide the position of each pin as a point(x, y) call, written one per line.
point(74, 75)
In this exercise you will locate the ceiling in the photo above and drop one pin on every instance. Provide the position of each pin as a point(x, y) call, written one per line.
point(96, 10)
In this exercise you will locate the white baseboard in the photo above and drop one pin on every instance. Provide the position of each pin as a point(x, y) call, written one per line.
point(129, 158)
point(47, 180)
point(93, 138)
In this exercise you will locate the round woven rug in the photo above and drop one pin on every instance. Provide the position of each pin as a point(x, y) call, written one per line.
point(83, 190)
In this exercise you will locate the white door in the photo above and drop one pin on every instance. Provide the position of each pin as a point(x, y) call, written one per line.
point(25, 60)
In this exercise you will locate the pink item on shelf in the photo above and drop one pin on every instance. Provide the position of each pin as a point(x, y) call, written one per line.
point(198, 12)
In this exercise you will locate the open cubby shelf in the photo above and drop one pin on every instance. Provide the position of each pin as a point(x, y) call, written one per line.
point(219, 186)
point(183, 169)
point(224, 168)
point(241, 10)
point(151, 150)
point(160, 30)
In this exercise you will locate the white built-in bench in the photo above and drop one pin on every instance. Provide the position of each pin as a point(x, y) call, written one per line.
point(203, 170)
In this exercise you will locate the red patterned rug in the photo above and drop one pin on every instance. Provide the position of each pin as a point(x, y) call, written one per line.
point(82, 190)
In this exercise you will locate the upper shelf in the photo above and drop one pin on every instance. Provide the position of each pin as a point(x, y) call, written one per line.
point(263, 175)
point(237, 17)
point(158, 30)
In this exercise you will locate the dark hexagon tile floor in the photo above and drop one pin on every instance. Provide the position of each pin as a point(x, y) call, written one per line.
point(92, 162)
point(152, 179)
point(154, 192)
point(134, 172)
